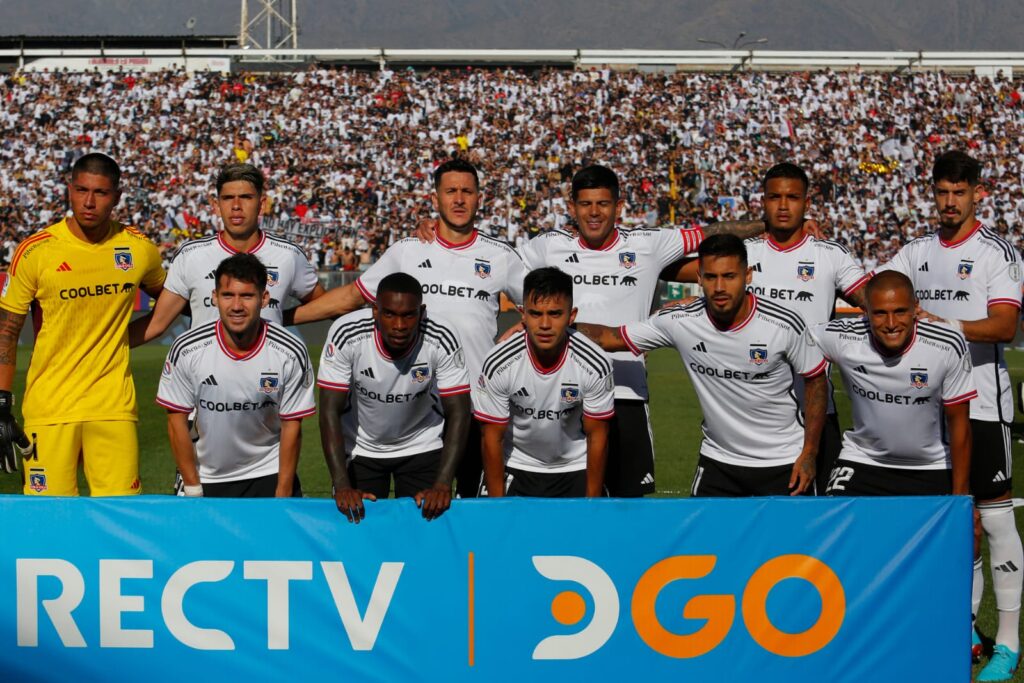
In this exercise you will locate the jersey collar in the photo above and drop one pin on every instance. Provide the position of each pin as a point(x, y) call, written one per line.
point(739, 326)
point(248, 354)
point(607, 247)
point(537, 366)
point(231, 250)
point(779, 248)
point(456, 247)
point(953, 245)
point(382, 350)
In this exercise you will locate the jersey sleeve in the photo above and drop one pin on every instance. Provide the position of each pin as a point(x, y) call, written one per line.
point(517, 270)
point(599, 397)
point(533, 254)
point(452, 378)
point(825, 342)
point(675, 243)
point(1004, 286)
point(647, 335)
point(22, 281)
point(305, 275)
point(490, 400)
point(849, 276)
point(177, 276)
point(958, 384)
point(176, 390)
point(153, 276)
point(901, 263)
point(335, 371)
point(297, 400)
point(388, 263)
point(804, 355)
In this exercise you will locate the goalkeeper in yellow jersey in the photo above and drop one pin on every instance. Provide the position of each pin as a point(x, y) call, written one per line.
point(80, 279)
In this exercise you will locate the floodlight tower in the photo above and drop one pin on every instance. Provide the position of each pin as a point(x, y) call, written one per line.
point(272, 25)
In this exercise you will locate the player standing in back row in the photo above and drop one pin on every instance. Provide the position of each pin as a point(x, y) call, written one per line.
point(967, 275)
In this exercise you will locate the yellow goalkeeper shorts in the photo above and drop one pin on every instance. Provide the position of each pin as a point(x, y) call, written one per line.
point(109, 451)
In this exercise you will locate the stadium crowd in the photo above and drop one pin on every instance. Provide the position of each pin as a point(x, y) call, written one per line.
point(351, 151)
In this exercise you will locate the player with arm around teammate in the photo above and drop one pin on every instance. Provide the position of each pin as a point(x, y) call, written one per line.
point(250, 383)
point(554, 389)
point(904, 377)
point(741, 353)
point(394, 402)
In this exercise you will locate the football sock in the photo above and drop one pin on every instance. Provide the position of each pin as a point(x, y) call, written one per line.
point(1006, 560)
point(977, 589)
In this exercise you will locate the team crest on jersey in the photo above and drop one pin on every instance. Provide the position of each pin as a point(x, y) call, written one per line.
point(918, 378)
point(805, 271)
point(482, 269)
point(273, 276)
point(963, 271)
point(627, 259)
point(123, 258)
point(37, 480)
point(569, 393)
point(269, 382)
point(758, 354)
point(420, 373)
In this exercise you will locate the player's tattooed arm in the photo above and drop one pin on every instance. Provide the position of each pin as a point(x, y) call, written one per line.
point(608, 338)
point(438, 498)
point(10, 329)
point(815, 406)
point(958, 421)
point(332, 438)
point(741, 229)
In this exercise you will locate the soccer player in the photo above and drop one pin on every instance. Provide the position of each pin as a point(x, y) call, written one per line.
point(741, 353)
point(615, 276)
point(394, 402)
point(80, 277)
point(903, 378)
point(239, 200)
point(250, 384)
point(462, 273)
point(793, 268)
point(968, 275)
point(556, 389)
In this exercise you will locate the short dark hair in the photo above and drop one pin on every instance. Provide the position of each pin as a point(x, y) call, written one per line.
point(547, 282)
point(723, 245)
point(243, 267)
point(955, 166)
point(786, 170)
point(889, 279)
point(400, 283)
point(595, 177)
point(241, 172)
point(455, 165)
point(98, 164)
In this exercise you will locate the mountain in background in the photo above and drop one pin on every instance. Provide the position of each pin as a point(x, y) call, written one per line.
point(980, 25)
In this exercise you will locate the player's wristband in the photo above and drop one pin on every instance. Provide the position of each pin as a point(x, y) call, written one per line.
point(193, 491)
point(957, 324)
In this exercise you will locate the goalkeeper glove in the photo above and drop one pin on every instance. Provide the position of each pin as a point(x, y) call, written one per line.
point(10, 434)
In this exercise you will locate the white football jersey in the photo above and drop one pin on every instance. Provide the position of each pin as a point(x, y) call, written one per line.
point(742, 376)
point(190, 275)
point(239, 401)
point(806, 278)
point(545, 406)
point(461, 284)
point(616, 284)
point(897, 401)
point(395, 402)
point(960, 281)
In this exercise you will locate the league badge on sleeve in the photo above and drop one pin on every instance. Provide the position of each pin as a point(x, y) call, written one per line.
point(919, 378)
point(123, 258)
point(627, 259)
point(482, 269)
point(273, 276)
point(269, 382)
point(570, 393)
point(758, 354)
point(963, 271)
point(420, 373)
point(805, 271)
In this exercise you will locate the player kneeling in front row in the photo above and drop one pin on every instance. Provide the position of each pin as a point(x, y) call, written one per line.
point(556, 388)
point(901, 376)
point(250, 383)
point(383, 373)
point(741, 352)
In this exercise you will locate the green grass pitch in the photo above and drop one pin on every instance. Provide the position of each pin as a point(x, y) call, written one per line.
point(675, 415)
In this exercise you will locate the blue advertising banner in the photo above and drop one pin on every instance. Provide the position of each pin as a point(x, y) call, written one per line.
point(158, 588)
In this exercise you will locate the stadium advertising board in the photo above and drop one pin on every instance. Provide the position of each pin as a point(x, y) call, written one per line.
point(758, 589)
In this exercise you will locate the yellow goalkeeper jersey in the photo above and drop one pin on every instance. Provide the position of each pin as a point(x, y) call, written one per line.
point(81, 296)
